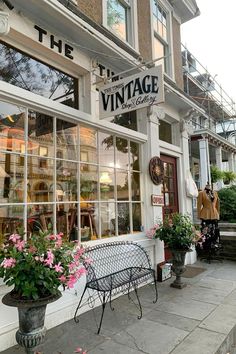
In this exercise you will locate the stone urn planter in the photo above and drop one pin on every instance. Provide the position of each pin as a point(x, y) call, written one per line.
point(31, 314)
point(178, 260)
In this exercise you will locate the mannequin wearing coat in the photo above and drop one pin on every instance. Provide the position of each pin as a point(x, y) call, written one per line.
point(208, 212)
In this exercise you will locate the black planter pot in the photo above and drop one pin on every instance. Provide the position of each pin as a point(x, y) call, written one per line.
point(178, 260)
point(31, 314)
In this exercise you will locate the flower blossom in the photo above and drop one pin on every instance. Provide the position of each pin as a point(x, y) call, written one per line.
point(8, 263)
point(151, 233)
point(50, 258)
point(14, 238)
point(58, 268)
point(79, 272)
point(71, 282)
point(73, 265)
point(62, 279)
point(20, 245)
point(80, 350)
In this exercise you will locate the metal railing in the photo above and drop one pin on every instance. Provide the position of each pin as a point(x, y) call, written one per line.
point(202, 87)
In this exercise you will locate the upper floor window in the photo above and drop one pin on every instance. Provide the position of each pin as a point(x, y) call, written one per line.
point(161, 38)
point(21, 70)
point(118, 18)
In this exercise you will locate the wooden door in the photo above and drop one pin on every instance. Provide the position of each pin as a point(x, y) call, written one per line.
point(169, 187)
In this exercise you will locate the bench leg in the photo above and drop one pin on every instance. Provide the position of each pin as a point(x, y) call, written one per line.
point(139, 303)
point(76, 319)
point(111, 307)
point(103, 309)
point(155, 284)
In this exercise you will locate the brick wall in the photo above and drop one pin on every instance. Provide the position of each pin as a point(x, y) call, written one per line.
point(144, 29)
point(92, 9)
point(177, 54)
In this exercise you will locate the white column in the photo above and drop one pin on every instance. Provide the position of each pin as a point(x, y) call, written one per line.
point(185, 201)
point(231, 161)
point(219, 164)
point(235, 163)
point(152, 214)
point(204, 163)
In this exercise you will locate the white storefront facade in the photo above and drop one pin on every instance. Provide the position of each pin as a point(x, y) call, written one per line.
point(61, 165)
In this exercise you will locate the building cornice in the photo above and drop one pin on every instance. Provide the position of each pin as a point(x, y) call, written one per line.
point(214, 138)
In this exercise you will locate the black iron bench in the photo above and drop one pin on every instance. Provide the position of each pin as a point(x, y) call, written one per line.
point(117, 267)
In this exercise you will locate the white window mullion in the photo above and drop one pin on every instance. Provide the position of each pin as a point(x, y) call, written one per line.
point(25, 211)
point(54, 176)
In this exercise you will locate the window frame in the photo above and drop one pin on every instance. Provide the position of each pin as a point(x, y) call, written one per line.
point(131, 21)
point(167, 43)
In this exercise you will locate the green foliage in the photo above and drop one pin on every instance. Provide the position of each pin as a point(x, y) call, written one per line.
point(216, 174)
point(227, 198)
point(177, 231)
point(38, 267)
point(228, 177)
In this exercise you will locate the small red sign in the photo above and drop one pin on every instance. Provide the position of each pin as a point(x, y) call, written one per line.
point(157, 199)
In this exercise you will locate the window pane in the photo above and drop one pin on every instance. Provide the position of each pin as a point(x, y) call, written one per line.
point(123, 218)
point(12, 127)
point(89, 221)
point(128, 120)
point(107, 184)
point(122, 157)
point(40, 180)
point(11, 179)
point(21, 70)
point(40, 133)
point(88, 145)
point(117, 17)
point(165, 133)
point(67, 140)
point(88, 182)
point(135, 182)
point(107, 219)
point(158, 51)
point(11, 219)
point(67, 179)
point(106, 149)
point(136, 214)
point(122, 185)
point(134, 156)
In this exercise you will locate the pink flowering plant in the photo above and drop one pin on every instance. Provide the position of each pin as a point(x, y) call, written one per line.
point(38, 267)
point(177, 231)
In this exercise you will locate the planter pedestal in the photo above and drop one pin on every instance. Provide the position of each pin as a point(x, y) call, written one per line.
point(178, 268)
point(31, 313)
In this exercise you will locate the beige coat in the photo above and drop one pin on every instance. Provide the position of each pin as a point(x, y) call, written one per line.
point(206, 209)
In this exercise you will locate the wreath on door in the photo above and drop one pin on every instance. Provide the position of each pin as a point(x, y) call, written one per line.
point(156, 170)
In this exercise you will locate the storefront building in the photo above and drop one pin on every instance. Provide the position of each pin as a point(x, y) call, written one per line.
point(62, 167)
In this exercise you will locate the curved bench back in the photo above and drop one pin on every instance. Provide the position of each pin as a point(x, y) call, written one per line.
point(112, 257)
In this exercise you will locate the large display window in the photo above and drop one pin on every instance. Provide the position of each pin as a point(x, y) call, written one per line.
point(66, 177)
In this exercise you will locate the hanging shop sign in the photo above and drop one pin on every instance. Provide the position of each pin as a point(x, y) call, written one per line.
point(157, 200)
point(156, 170)
point(131, 93)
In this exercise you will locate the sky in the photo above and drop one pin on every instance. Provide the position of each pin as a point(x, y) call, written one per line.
point(210, 37)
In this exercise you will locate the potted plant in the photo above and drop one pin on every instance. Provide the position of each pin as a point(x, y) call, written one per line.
point(37, 269)
point(179, 234)
point(228, 177)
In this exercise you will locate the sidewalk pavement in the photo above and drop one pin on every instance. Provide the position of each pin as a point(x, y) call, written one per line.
point(199, 319)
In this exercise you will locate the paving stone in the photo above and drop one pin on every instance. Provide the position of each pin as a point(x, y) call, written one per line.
point(187, 308)
point(222, 320)
point(187, 324)
point(200, 341)
point(144, 338)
